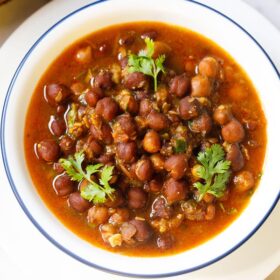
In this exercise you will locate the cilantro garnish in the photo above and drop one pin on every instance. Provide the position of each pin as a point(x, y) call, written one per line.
point(180, 146)
point(214, 170)
point(93, 191)
point(144, 63)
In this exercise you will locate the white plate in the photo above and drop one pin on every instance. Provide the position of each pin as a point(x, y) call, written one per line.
point(18, 249)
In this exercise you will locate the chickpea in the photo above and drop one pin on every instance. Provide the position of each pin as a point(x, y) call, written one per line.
point(154, 186)
point(57, 126)
point(102, 132)
point(177, 166)
point(244, 181)
point(78, 203)
point(117, 199)
point(222, 115)
point(157, 121)
point(128, 125)
point(48, 150)
point(179, 85)
point(98, 215)
point(201, 124)
point(107, 108)
point(127, 151)
point(151, 142)
point(160, 208)
point(56, 94)
point(120, 216)
point(135, 80)
point(189, 108)
point(137, 198)
point(93, 148)
point(63, 185)
point(200, 86)
point(143, 230)
point(174, 190)
point(235, 156)
point(145, 107)
point(67, 144)
point(103, 80)
point(93, 95)
point(208, 67)
point(158, 161)
point(233, 132)
point(165, 241)
point(84, 55)
point(144, 169)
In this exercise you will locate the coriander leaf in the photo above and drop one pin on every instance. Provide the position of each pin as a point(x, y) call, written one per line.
point(214, 170)
point(72, 115)
point(180, 146)
point(93, 191)
point(144, 62)
point(91, 169)
point(150, 47)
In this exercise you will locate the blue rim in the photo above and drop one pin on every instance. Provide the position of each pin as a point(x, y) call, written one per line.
point(37, 225)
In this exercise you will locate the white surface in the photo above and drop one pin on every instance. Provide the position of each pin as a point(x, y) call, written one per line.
point(240, 265)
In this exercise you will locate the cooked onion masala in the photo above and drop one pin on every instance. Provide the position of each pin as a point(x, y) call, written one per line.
point(145, 139)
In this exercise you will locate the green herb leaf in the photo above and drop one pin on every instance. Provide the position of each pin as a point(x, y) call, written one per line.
point(93, 191)
point(180, 146)
point(214, 170)
point(144, 63)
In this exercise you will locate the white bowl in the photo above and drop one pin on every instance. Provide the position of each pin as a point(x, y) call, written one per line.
point(192, 15)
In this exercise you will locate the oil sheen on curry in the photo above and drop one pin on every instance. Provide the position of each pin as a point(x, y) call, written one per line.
point(145, 139)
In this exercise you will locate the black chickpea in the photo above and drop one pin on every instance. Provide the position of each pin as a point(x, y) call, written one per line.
point(177, 166)
point(201, 124)
point(63, 185)
point(174, 190)
point(56, 94)
point(143, 230)
point(157, 121)
point(151, 142)
point(144, 169)
point(137, 198)
point(222, 115)
point(233, 132)
point(158, 161)
point(103, 80)
point(179, 85)
point(93, 95)
point(200, 86)
point(48, 150)
point(189, 108)
point(244, 181)
point(208, 67)
point(78, 203)
point(235, 156)
point(127, 151)
point(107, 108)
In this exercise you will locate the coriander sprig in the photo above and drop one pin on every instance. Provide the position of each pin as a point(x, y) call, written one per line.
point(214, 170)
point(144, 62)
point(93, 191)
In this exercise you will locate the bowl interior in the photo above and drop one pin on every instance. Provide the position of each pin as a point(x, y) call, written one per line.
point(93, 17)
